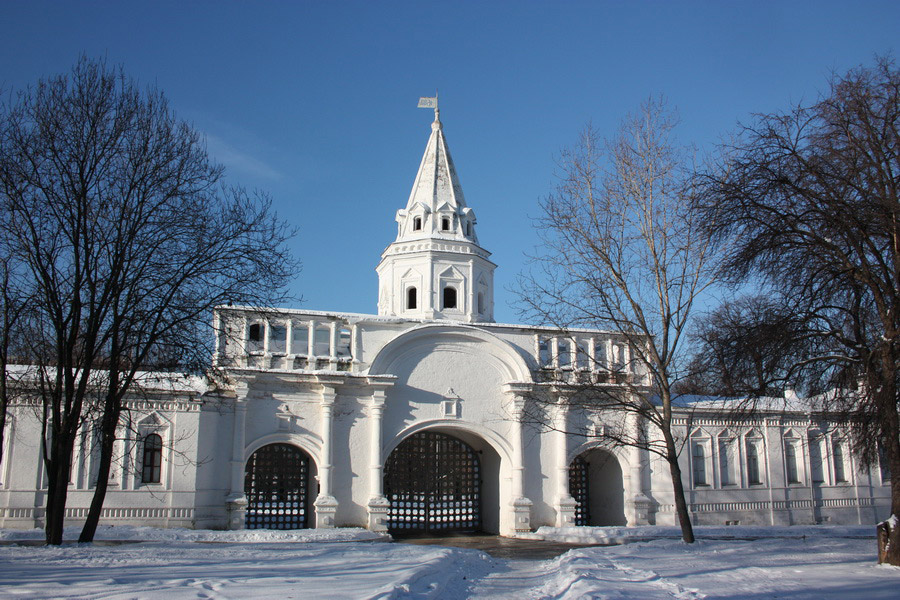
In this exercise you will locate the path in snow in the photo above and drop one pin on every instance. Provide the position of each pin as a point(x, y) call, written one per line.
point(577, 575)
point(310, 565)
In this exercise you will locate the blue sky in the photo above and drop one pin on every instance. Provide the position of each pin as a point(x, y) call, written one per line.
point(315, 102)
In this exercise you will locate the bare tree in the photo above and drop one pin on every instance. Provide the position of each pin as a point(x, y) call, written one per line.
point(622, 250)
point(14, 305)
point(129, 239)
point(746, 349)
point(810, 200)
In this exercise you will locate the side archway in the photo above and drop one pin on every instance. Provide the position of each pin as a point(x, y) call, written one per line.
point(277, 486)
point(596, 483)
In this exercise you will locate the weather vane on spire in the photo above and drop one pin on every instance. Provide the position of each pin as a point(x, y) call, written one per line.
point(426, 102)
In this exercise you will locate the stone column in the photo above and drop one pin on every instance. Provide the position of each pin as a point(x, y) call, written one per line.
point(521, 506)
point(332, 345)
point(236, 502)
point(289, 343)
point(638, 503)
point(326, 505)
point(379, 506)
point(565, 505)
point(311, 345)
point(355, 349)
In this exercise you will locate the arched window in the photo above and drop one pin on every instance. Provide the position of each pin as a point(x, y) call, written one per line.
point(411, 303)
point(467, 228)
point(792, 468)
point(417, 223)
point(816, 459)
point(753, 470)
point(152, 459)
point(449, 297)
point(726, 459)
point(480, 303)
point(699, 463)
point(445, 224)
point(840, 473)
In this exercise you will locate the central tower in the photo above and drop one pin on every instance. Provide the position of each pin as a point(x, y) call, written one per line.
point(435, 269)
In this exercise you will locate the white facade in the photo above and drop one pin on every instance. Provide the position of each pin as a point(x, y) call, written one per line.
point(348, 394)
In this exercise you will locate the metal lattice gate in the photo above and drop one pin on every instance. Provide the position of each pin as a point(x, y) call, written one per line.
point(578, 489)
point(433, 482)
point(276, 483)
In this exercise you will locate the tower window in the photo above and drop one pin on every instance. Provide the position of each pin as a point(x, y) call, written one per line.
point(417, 224)
point(445, 224)
point(467, 228)
point(411, 303)
point(480, 303)
point(449, 297)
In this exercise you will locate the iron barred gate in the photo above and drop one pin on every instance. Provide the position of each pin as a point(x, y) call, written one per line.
point(578, 489)
point(276, 483)
point(433, 482)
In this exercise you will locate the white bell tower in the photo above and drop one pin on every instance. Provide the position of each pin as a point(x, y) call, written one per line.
point(435, 269)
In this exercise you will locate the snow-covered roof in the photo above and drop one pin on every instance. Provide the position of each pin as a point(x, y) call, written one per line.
point(150, 381)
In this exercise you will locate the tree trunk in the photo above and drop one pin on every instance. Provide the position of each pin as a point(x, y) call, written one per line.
point(681, 509)
point(108, 438)
point(3, 406)
point(57, 489)
point(883, 381)
point(889, 531)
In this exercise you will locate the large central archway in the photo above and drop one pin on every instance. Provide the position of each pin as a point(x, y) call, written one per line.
point(433, 482)
point(276, 483)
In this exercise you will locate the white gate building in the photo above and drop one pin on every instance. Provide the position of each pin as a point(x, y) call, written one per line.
point(415, 420)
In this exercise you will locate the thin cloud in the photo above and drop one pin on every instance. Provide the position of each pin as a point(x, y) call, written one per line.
point(235, 160)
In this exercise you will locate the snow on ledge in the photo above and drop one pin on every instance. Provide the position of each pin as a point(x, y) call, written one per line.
point(156, 534)
point(621, 535)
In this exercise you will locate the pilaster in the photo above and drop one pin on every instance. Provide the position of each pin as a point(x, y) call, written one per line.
point(565, 503)
point(379, 506)
point(520, 504)
point(326, 504)
point(638, 505)
point(236, 501)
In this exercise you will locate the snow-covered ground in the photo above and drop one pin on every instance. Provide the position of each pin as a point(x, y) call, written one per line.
point(826, 563)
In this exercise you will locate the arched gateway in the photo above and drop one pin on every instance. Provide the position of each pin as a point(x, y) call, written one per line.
point(596, 484)
point(276, 483)
point(433, 482)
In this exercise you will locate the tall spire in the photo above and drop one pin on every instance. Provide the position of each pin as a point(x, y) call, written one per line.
point(435, 269)
point(436, 183)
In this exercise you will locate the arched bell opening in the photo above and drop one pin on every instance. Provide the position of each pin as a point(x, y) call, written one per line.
point(442, 482)
point(277, 486)
point(597, 485)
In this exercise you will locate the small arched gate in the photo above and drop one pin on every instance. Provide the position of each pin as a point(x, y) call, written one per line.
point(597, 486)
point(433, 482)
point(276, 483)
